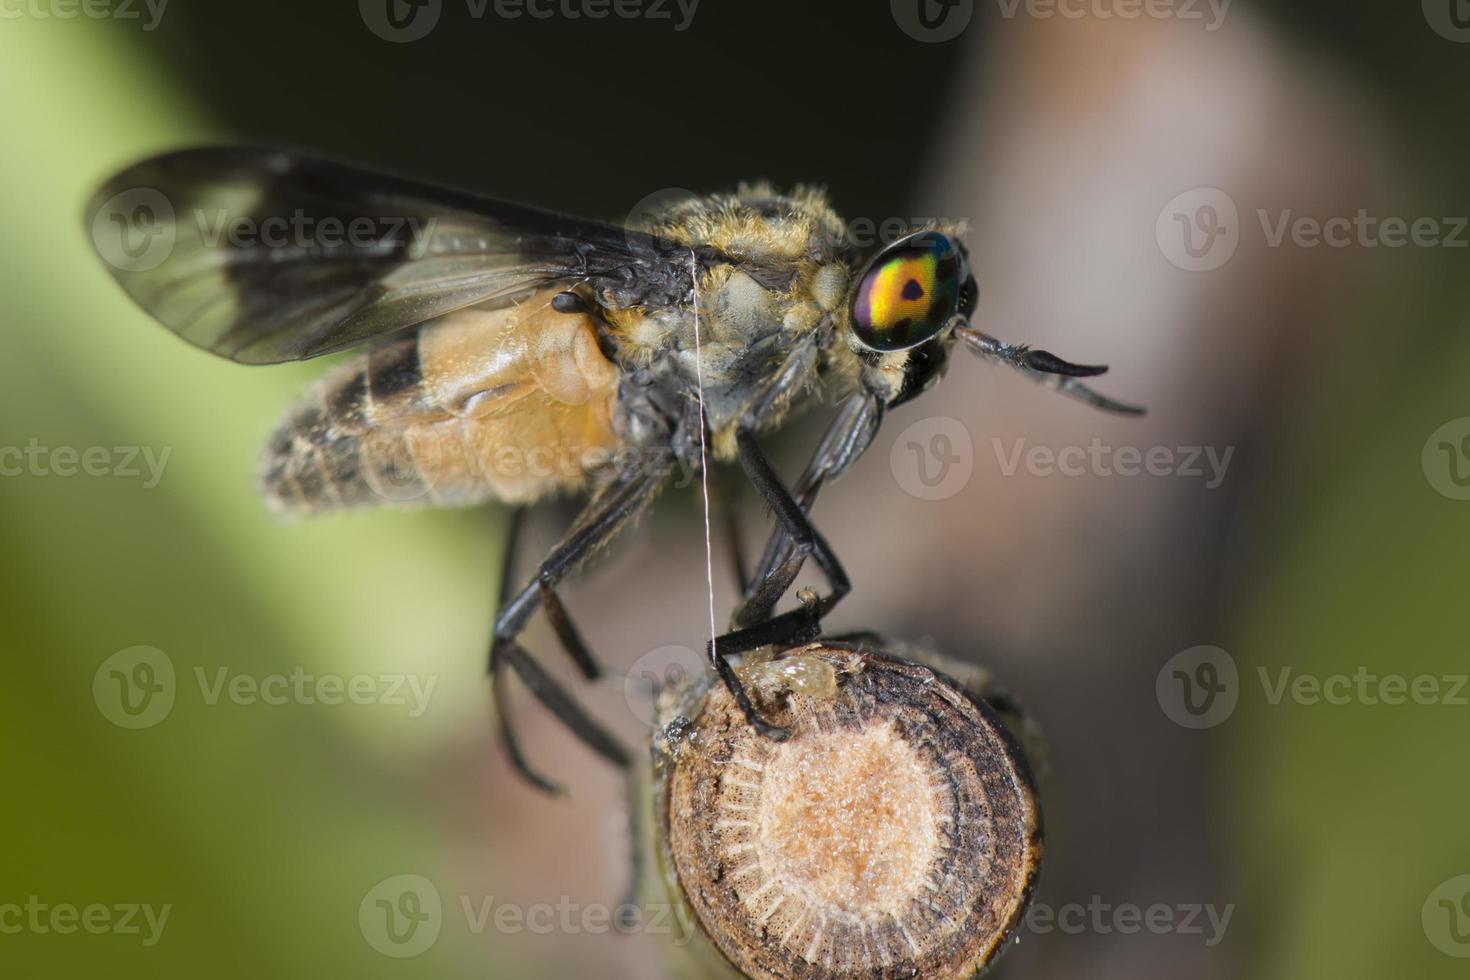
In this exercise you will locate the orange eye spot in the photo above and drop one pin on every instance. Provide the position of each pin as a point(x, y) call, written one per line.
point(908, 293)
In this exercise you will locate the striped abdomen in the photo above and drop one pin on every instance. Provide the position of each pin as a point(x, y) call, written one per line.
point(510, 404)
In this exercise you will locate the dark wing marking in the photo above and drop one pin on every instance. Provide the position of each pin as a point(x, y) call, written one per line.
point(264, 256)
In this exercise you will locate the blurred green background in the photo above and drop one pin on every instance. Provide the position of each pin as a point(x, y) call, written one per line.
point(263, 827)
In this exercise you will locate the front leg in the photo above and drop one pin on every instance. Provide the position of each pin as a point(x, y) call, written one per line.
point(790, 628)
point(806, 540)
point(755, 624)
point(846, 439)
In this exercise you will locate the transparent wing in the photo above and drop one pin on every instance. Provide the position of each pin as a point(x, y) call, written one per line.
point(264, 256)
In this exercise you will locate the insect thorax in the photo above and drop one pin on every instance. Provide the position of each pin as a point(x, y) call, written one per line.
point(773, 273)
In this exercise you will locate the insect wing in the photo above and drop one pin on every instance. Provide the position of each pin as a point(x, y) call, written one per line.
point(264, 256)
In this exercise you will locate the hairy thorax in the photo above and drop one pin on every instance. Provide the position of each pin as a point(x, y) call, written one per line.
point(777, 281)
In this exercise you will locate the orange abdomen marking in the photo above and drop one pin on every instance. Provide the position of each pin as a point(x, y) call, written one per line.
point(511, 404)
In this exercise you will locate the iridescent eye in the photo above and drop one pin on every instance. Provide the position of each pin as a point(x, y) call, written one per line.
point(908, 292)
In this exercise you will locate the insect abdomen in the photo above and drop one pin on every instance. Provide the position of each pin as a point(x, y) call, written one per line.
point(328, 454)
point(479, 405)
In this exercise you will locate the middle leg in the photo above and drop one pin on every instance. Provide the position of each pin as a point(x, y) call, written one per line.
point(599, 522)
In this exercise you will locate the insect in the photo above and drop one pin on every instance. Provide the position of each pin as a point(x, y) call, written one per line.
point(511, 353)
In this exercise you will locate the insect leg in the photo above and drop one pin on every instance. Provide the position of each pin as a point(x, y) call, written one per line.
point(734, 540)
point(787, 629)
point(524, 665)
point(556, 613)
point(597, 524)
point(846, 439)
point(498, 659)
point(566, 631)
point(792, 517)
point(1047, 368)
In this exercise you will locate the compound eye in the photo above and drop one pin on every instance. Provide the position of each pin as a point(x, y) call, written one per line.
point(908, 292)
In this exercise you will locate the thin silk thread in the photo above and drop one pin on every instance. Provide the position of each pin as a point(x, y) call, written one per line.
point(709, 548)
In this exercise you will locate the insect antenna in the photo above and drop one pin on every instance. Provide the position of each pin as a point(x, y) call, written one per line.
point(1047, 368)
